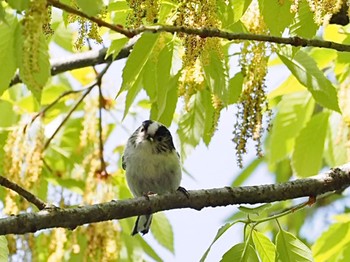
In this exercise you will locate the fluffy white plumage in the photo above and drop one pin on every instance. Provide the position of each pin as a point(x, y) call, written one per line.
point(152, 165)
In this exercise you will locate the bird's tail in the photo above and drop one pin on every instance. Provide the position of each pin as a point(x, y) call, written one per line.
point(142, 224)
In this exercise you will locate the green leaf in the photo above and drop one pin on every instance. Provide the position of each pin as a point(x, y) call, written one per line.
point(209, 125)
point(246, 172)
point(7, 53)
point(215, 73)
point(50, 93)
point(63, 36)
point(239, 8)
point(191, 124)
point(164, 77)
point(121, 10)
point(171, 99)
point(255, 210)
point(90, 7)
point(240, 253)
point(304, 25)
point(304, 68)
point(2, 14)
point(220, 232)
point(148, 250)
point(71, 184)
point(4, 251)
point(277, 15)
point(290, 85)
point(133, 70)
point(19, 5)
point(163, 231)
point(291, 249)
point(336, 150)
point(293, 111)
point(234, 89)
point(308, 151)
point(6, 109)
point(332, 242)
point(265, 248)
point(118, 42)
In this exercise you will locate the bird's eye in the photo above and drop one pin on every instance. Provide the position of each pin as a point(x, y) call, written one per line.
point(142, 129)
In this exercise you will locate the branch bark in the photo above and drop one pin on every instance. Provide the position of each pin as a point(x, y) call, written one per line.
point(203, 32)
point(333, 180)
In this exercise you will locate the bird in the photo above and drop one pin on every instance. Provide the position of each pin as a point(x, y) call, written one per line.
point(152, 166)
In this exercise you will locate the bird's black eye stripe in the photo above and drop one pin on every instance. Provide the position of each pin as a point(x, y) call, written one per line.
point(162, 131)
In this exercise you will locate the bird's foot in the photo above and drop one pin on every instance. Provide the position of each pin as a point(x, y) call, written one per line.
point(184, 191)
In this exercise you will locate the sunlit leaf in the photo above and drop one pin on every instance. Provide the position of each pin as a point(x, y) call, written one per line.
point(290, 85)
point(234, 89)
point(246, 172)
point(68, 183)
point(118, 42)
point(239, 8)
point(215, 73)
point(6, 108)
point(336, 151)
point(308, 150)
point(191, 124)
point(332, 242)
point(90, 7)
point(290, 249)
point(240, 253)
point(255, 210)
point(19, 5)
point(7, 53)
point(276, 14)
point(50, 93)
point(133, 70)
point(293, 112)
point(263, 245)
point(220, 232)
point(4, 251)
point(163, 231)
point(304, 25)
point(306, 71)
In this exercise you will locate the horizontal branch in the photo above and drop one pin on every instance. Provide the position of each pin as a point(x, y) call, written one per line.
point(80, 60)
point(203, 32)
point(333, 180)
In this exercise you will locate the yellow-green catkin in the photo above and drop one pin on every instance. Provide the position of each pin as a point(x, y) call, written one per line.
point(253, 102)
point(196, 14)
point(35, 19)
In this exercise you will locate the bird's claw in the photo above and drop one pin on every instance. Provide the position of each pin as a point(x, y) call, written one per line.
point(184, 191)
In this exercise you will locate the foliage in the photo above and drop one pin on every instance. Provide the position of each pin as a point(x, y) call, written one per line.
point(54, 130)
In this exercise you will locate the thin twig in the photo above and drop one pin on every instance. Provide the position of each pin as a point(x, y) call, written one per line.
point(43, 111)
point(22, 192)
point(72, 10)
point(204, 32)
point(88, 90)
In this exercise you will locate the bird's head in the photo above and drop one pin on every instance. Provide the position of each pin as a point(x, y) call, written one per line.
point(154, 134)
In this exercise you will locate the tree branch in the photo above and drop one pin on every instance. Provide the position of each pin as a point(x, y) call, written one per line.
point(333, 180)
point(22, 192)
point(203, 32)
point(76, 61)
